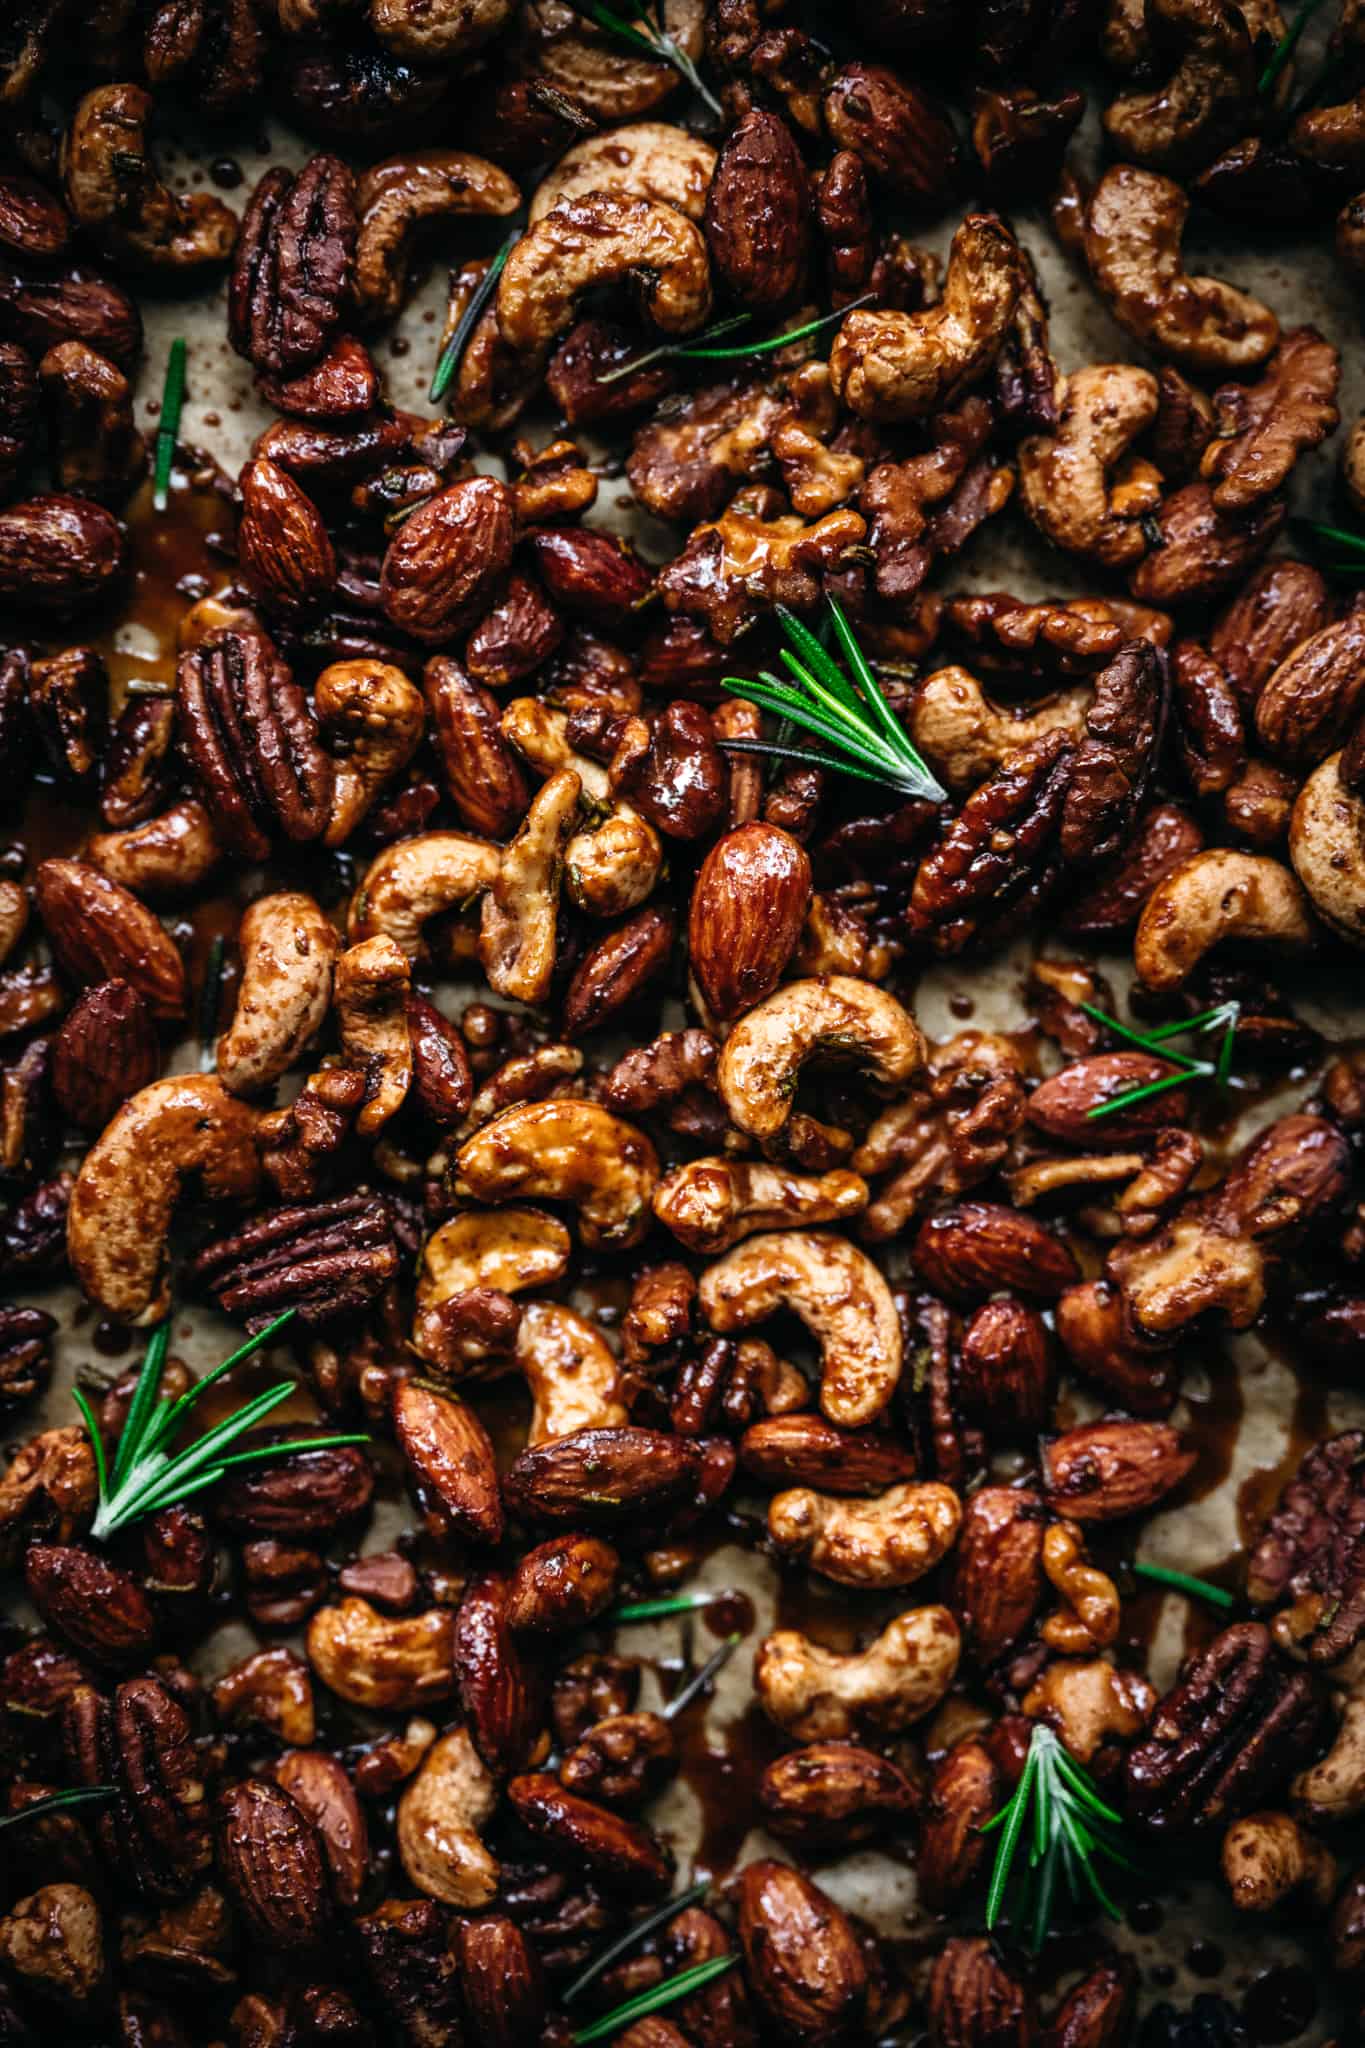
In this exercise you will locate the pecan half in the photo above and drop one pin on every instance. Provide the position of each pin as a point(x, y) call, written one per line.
point(1312, 1551)
point(325, 1260)
point(292, 266)
point(250, 736)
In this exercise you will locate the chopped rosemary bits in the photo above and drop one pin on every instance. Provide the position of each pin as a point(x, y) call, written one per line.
point(1223, 1017)
point(81, 1795)
point(698, 349)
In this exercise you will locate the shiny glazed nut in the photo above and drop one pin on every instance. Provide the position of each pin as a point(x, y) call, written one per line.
point(396, 197)
point(282, 540)
point(835, 1793)
point(963, 736)
point(436, 34)
point(48, 1489)
point(973, 1998)
point(288, 949)
point(571, 1371)
point(171, 855)
point(383, 1661)
point(838, 1293)
point(817, 1695)
point(804, 1961)
point(1088, 1619)
point(105, 1051)
point(323, 1793)
point(805, 1450)
point(748, 905)
point(519, 916)
point(643, 160)
point(1106, 1470)
point(271, 1689)
point(603, 1477)
point(758, 213)
point(96, 1606)
point(1080, 486)
point(837, 1017)
point(53, 1942)
point(890, 1541)
point(997, 1569)
point(622, 1760)
point(99, 931)
point(272, 1865)
point(1179, 124)
point(710, 1204)
point(115, 192)
point(972, 1250)
point(58, 553)
point(440, 1818)
point(1268, 1858)
point(504, 1250)
point(624, 1856)
point(565, 1151)
point(416, 880)
point(373, 981)
point(1308, 704)
point(450, 1461)
point(441, 566)
point(1327, 849)
point(562, 1585)
point(375, 716)
point(598, 240)
point(1216, 895)
point(964, 1792)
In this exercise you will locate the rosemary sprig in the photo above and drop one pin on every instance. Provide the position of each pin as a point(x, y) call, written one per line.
point(702, 1678)
point(624, 1943)
point(449, 360)
point(655, 1999)
point(1284, 49)
point(168, 422)
point(655, 1610)
point(647, 32)
point(1184, 1582)
point(146, 1474)
point(699, 349)
point(1223, 1017)
point(80, 1795)
point(849, 712)
point(1350, 545)
point(1067, 1825)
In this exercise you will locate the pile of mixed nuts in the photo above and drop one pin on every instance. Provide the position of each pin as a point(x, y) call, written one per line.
point(759, 1263)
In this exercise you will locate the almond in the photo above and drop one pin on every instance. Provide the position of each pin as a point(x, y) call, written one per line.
point(977, 1248)
point(1063, 1107)
point(1105, 1470)
point(620, 1853)
point(105, 1051)
point(748, 907)
point(613, 972)
point(758, 213)
point(501, 1689)
point(95, 1606)
point(271, 1862)
point(444, 561)
point(803, 1957)
point(100, 932)
point(451, 1467)
point(593, 574)
point(998, 1568)
point(604, 1475)
point(805, 1450)
point(282, 542)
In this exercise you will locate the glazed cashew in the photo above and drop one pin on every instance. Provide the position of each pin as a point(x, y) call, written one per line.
point(1089, 1702)
point(609, 868)
point(1268, 1858)
point(572, 1373)
point(371, 710)
point(964, 736)
point(644, 160)
point(890, 1541)
point(837, 1292)
point(1333, 1789)
point(113, 188)
point(710, 1204)
point(1178, 125)
point(611, 82)
point(395, 197)
point(181, 1128)
point(1327, 849)
point(435, 32)
point(599, 240)
point(288, 951)
point(52, 1943)
point(817, 1695)
point(170, 855)
point(520, 915)
point(506, 1251)
point(417, 879)
point(440, 1815)
point(1088, 1620)
point(1080, 486)
point(840, 1017)
point(1212, 896)
point(1133, 229)
point(902, 366)
point(372, 984)
point(565, 1151)
point(383, 1662)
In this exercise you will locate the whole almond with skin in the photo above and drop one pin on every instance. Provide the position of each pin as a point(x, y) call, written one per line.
point(450, 1461)
point(100, 932)
point(282, 542)
point(613, 972)
point(105, 1051)
point(271, 1861)
point(997, 1568)
point(804, 1960)
point(758, 213)
point(501, 1686)
point(501, 1979)
point(748, 906)
point(1105, 1470)
point(1061, 1107)
point(441, 566)
point(483, 774)
point(562, 1585)
point(805, 1450)
point(976, 1248)
point(94, 1605)
point(621, 1854)
point(604, 1476)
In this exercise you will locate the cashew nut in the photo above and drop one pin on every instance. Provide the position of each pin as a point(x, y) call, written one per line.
point(1133, 230)
point(610, 81)
point(565, 1151)
point(417, 879)
point(1089, 1702)
point(52, 1943)
point(818, 1695)
point(1079, 486)
point(436, 32)
point(131, 1179)
point(1178, 125)
point(520, 916)
point(599, 240)
point(710, 1204)
point(1333, 1789)
point(890, 1541)
point(1088, 1620)
point(395, 197)
point(1327, 849)
point(502, 1250)
point(645, 160)
point(170, 855)
point(288, 951)
point(837, 1292)
point(383, 1662)
point(840, 1017)
point(1268, 1858)
point(609, 868)
point(372, 984)
point(571, 1371)
point(114, 190)
point(378, 717)
point(1217, 894)
point(902, 366)
point(440, 1814)
point(964, 736)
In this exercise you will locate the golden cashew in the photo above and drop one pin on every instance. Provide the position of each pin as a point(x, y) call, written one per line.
point(1268, 1858)
point(170, 855)
point(710, 1204)
point(395, 197)
point(572, 1373)
point(964, 736)
point(130, 1180)
point(602, 240)
point(818, 1695)
point(288, 951)
point(49, 1485)
point(373, 980)
point(837, 1292)
point(505, 1250)
point(645, 160)
point(1079, 486)
point(1178, 125)
point(1088, 1703)
point(1133, 229)
point(1333, 1789)
point(114, 190)
point(1216, 895)
point(440, 1815)
point(840, 1017)
point(565, 1151)
point(607, 79)
point(611, 867)
point(903, 366)
point(378, 718)
point(52, 1943)
point(435, 32)
point(1088, 1620)
point(417, 879)
point(1327, 849)
point(383, 1662)
point(890, 1541)
point(520, 916)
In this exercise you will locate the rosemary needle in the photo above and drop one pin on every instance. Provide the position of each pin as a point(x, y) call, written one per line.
point(81, 1795)
point(701, 1679)
point(636, 1933)
point(654, 2000)
point(1055, 1824)
point(1285, 47)
point(168, 429)
point(1184, 1582)
point(698, 349)
point(655, 1610)
point(454, 349)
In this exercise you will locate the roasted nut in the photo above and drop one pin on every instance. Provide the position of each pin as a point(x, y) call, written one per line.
point(1327, 848)
point(565, 1151)
point(1213, 896)
point(371, 712)
point(620, 1853)
point(272, 1863)
point(395, 197)
point(1268, 1858)
point(1304, 1561)
point(1179, 124)
point(53, 1942)
point(501, 1981)
point(603, 1478)
point(997, 1569)
point(645, 159)
point(1005, 1370)
point(974, 1999)
point(1263, 429)
point(58, 554)
point(292, 268)
point(252, 742)
point(323, 1793)
point(288, 951)
point(804, 1962)
point(621, 1760)
point(105, 1051)
point(817, 1695)
point(501, 1688)
point(1105, 1470)
point(561, 1585)
point(906, 144)
point(710, 1204)
point(485, 1254)
point(805, 1450)
point(748, 906)
point(1097, 2012)
point(963, 1793)
point(98, 1607)
point(1309, 704)
point(156, 1833)
point(442, 564)
point(323, 1259)
point(833, 1793)
point(758, 213)
point(416, 880)
point(380, 1661)
point(450, 1463)
point(116, 194)
point(97, 451)
point(977, 1248)
point(603, 239)
point(302, 1495)
point(482, 772)
point(1080, 486)
point(440, 1818)
point(890, 1541)
point(519, 917)
point(272, 1690)
point(47, 1490)
point(766, 1050)
point(101, 932)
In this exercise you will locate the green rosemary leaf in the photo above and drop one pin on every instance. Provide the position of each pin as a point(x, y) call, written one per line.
point(875, 697)
point(1132, 1095)
point(143, 1402)
point(655, 1610)
point(655, 1999)
point(1284, 49)
point(96, 1440)
point(808, 715)
point(1185, 1582)
point(1071, 1773)
point(623, 1944)
point(201, 1387)
point(701, 1679)
point(671, 348)
point(1013, 1816)
point(1353, 543)
point(78, 1795)
point(1148, 1040)
point(449, 361)
point(854, 721)
point(168, 423)
point(1222, 1072)
point(1069, 1826)
point(302, 1443)
point(818, 658)
point(826, 761)
point(775, 341)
